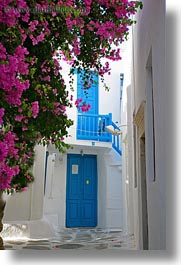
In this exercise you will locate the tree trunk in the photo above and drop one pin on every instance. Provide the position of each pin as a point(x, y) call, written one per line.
point(2, 206)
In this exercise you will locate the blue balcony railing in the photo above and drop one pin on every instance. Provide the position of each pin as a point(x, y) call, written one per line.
point(116, 139)
point(91, 127)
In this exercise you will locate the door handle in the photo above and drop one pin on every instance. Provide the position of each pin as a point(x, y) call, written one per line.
point(87, 181)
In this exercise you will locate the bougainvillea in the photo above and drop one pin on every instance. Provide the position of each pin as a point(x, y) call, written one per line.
point(35, 37)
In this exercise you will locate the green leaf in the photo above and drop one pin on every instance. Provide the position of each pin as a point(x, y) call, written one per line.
point(29, 113)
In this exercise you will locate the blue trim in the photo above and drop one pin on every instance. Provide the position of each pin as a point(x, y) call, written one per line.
point(116, 140)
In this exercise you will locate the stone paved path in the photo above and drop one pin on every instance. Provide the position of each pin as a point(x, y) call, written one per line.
point(67, 239)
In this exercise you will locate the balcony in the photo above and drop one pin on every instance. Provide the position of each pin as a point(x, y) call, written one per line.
point(92, 127)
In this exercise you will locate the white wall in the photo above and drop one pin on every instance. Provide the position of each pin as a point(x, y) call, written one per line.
point(28, 205)
point(109, 189)
point(149, 34)
point(128, 160)
point(55, 192)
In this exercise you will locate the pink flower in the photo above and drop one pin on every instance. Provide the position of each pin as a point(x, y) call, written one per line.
point(32, 25)
point(2, 111)
point(35, 109)
point(6, 174)
point(40, 37)
point(63, 108)
point(3, 151)
point(20, 52)
point(54, 14)
point(46, 78)
point(85, 107)
point(54, 91)
point(19, 118)
point(24, 188)
point(2, 52)
point(77, 102)
point(26, 17)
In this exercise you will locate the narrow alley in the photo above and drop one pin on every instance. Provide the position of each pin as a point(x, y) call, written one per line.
point(107, 191)
point(67, 239)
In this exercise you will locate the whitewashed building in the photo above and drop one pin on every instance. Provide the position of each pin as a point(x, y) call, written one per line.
point(144, 137)
point(82, 187)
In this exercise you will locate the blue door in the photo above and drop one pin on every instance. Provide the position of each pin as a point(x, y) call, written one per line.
point(81, 195)
point(88, 126)
point(89, 95)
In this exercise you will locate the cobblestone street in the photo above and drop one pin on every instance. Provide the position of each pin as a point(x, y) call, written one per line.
point(85, 239)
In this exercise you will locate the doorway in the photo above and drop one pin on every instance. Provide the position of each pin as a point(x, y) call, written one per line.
point(81, 191)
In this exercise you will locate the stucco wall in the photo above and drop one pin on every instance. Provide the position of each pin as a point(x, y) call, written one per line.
point(149, 35)
point(109, 188)
point(28, 205)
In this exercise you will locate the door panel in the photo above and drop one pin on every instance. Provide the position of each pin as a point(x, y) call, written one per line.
point(89, 178)
point(89, 214)
point(81, 199)
point(87, 125)
point(89, 95)
point(73, 212)
point(73, 170)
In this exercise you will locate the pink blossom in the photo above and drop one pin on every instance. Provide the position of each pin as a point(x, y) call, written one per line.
point(46, 78)
point(26, 17)
point(19, 118)
point(3, 151)
point(56, 104)
point(63, 108)
point(40, 37)
point(20, 52)
point(6, 174)
point(24, 189)
point(2, 111)
point(35, 109)
point(54, 91)
point(2, 52)
point(85, 107)
point(33, 24)
point(54, 14)
point(77, 102)
point(20, 110)
point(76, 48)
